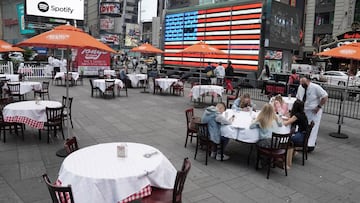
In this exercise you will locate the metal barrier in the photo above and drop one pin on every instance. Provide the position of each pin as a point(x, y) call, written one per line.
point(342, 101)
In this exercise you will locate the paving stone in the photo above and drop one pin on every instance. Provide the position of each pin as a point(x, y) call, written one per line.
point(31, 169)
point(226, 194)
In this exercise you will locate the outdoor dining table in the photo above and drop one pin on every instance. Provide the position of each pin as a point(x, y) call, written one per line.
point(165, 83)
point(241, 126)
point(11, 77)
point(97, 174)
point(199, 90)
point(109, 72)
point(135, 78)
point(28, 112)
point(26, 86)
point(74, 75)
point(100, 83)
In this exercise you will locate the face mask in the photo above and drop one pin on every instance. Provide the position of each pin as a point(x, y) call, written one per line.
point(304, 86)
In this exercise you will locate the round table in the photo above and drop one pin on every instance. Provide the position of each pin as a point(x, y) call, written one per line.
point(74, 75)
point(135, 78)
point(27, 86)
point(97, 174)
point(239, 130)
point(28, 112)
point(165, 83)
point(199, 90)
point(100, 83)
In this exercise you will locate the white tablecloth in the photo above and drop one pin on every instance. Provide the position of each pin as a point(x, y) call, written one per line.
point(28, 112)
point(96, 174)
point(109, 72)
point(135, 78)
point(100, 83)
point(74, 75)
point(165, 83)
point(198, 90)
point(11, 77)
point(239, 129)
point(27, 86)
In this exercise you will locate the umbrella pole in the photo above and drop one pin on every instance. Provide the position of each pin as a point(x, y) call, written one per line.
point(62, 152)
point(67, 92)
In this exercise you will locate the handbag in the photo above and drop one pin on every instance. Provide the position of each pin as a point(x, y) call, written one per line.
point(193, 123)
point(210, 73)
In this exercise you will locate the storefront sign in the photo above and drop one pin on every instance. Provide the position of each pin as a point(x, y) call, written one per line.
point(110, 8)
point(91, 60)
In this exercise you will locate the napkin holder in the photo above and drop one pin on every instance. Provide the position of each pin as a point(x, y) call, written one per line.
point(122, 150)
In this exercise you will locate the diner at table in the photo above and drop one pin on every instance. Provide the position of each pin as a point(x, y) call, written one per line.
point(116, 172)
point(286, 102)
point(244, 103)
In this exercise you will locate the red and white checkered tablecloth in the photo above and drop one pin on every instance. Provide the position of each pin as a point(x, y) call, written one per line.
point(146, 191)
point(22, 119)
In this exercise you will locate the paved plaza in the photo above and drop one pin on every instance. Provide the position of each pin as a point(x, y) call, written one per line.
point(331, 174)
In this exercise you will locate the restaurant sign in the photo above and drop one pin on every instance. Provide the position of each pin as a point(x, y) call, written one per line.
point(91, 60)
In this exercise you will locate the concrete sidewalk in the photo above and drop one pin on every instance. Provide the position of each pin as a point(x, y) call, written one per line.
point(331, 174)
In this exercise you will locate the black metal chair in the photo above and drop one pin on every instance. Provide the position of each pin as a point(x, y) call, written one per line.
point(55, 117)
point(173, 195)
point(93, 89)
point(109, 88)
point(59, 194)
point(14, 90)
point(43, 91)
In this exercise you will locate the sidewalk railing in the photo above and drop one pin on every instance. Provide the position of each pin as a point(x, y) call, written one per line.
point(342, 101)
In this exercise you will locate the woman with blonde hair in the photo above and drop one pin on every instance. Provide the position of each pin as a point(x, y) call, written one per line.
point(265, 122)
point(280, 106)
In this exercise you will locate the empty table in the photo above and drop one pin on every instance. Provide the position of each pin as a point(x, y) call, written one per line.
point(135, 78)
point(97, 174)
point(165, 83)
point(100, 83)
point(28, 112)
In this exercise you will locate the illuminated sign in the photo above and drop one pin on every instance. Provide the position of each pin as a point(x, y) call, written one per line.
point(110, 8)
point(107, 24)
point(235, 30)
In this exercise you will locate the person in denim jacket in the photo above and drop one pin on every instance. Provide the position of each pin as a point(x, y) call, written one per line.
point(214, 118)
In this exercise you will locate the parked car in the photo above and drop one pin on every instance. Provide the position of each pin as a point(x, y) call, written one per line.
point(16, 56)
point(318, 77)
point(341, 78)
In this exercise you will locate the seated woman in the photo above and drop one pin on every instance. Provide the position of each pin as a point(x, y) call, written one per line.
point(298, 119)
point(243, 103)
point(266, 121)
point(280, 106)
point(214, 118)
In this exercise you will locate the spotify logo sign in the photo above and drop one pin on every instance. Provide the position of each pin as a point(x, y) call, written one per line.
point(43, 6)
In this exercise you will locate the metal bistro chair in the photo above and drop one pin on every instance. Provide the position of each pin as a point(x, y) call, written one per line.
point(109, 88)
point(59, 194)
point(44, 90)
point(14, 90)
point(55, 117)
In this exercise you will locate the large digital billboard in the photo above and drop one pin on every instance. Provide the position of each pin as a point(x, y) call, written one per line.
point(283, 30)
point(67, 9)
point(234, 30)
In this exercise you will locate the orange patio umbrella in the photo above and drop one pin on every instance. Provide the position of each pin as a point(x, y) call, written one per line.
point(147, 48)
point(6, 47)
point(66, 36)
point(202, 48)
point(348, 51)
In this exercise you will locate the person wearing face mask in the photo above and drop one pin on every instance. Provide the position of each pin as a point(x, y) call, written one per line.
point(314, 98)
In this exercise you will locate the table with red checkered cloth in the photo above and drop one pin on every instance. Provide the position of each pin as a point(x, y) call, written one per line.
point(28, 112)
point(97, 174)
